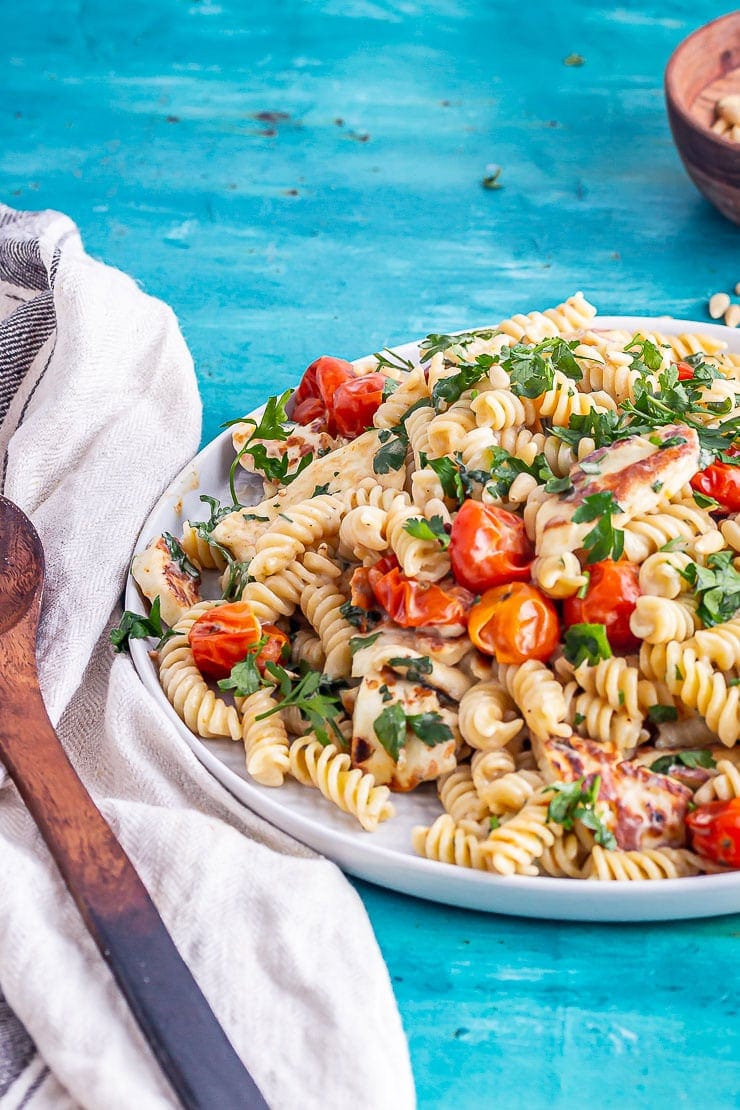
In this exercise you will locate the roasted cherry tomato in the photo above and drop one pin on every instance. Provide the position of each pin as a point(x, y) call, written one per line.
point(721, 481)
point(321, 380)
point(714, 830)
point(610, 599)
point(514, 622)
point(685, 371)
point(355, 402)
point(414, 604)
point(308, 410)
point(488, 546)
point(221, 637)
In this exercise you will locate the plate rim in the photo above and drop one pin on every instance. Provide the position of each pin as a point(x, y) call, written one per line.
point(565, 898)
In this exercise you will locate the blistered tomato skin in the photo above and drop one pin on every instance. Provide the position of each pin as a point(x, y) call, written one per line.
point(610, 599)
point(488, 546)
point(221, 637)
point(514, 622)
point(714, 831)
point(355, 403)
point(414, 604)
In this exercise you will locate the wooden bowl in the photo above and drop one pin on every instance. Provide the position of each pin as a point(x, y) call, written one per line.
point(703, 68)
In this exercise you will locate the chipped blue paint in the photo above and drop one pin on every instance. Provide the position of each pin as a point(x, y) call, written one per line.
point(349, 216)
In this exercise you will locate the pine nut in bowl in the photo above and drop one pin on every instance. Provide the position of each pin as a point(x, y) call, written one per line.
point(702, 90)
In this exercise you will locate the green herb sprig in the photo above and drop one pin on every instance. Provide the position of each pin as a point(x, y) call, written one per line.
point(575, 801)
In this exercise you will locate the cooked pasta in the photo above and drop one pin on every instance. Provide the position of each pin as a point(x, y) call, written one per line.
point(509, 586)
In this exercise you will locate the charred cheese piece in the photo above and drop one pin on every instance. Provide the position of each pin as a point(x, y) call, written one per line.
point(645, 809)
point(416, 761)
point(158, 575)
point(452, 681)
point(639, 473)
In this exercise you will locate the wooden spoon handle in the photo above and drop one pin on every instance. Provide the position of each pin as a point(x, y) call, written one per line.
point(173, 1014)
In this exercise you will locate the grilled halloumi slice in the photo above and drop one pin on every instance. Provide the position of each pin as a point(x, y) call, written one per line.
point(389, 650)
point(416, 761)
point(158, 575)
point(638, 471)
point(643, 809)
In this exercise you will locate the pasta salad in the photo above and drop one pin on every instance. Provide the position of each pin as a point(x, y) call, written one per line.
point(507, 571)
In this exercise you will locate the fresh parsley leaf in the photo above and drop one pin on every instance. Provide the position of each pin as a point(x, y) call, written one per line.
point(716, 587)
point(390, 385)
point(493, 822)
point(318, 491)
point(699, 757)
point(390, 729)
point(245, 677)
point(604, 541)
point(431, 530)
point(448, 390)
point(430, 728)
point(236, 579)
point(359, 617)
point(316, 707)
point(416, 667)
point(456, 480)
point(575, 801)
point(135, 627)
point(439, 343)
point(705, 502)
point(179, 557)
point(660, 713)
point(392, 453)
point(586, 643)
point(532, 368)
point(358, 643)
point(392, 360)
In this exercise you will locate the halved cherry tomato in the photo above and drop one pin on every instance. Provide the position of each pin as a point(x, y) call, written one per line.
point(721, 481)
point(220, 638)
point(685, 371)
point(488, 546)
point(414, 604)
point(308, 410)
point(355, 402)
point(321, 379)
point(514, 622)
point(714, 830)
point(361, 592)
point(610, 599)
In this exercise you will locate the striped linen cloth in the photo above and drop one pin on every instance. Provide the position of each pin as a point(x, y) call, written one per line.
point(98, 410)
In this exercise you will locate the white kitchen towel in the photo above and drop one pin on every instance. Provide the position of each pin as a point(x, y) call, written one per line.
point(98, 410)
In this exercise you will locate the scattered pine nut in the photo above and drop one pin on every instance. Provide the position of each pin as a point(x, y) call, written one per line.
point(720, 126)
point(737, 288)
point(718, 304)
point(732, 316)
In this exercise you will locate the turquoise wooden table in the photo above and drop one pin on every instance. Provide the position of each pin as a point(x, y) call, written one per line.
point(301, 178)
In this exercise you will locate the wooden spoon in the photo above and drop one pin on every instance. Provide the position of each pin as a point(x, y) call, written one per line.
point(175, 1018)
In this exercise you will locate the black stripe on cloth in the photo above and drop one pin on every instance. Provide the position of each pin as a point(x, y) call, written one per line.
point(16, 1047)
point(20, 263)
point(34, 1088)
point(22, 335)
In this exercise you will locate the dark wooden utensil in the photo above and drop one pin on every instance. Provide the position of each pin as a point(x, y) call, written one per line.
point(176, 1020)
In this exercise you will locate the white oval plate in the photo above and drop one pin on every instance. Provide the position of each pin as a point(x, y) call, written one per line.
point(386, 856)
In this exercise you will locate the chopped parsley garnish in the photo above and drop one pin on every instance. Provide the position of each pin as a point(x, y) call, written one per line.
point(438, 343)
point(604, 541)
point(456, 480)
point(448, 390)
point(391, 360)
point(392, 453)
point(645, 356)
point(359, 643)
point(135, 627)
point(532, 369)
point(698, 757)
point(506, 468)
point(574, 801)
point(586, 643)
point(179, 557)
point(416, 667)
point(318, 491)
point(393, 724)
point(245, 677)
point(716, 587)
point(359, 617)
point(493, 822)
point(433, 530)
point(305, 693)
point(272, 426)
point(661, 713)
point(705, 502)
